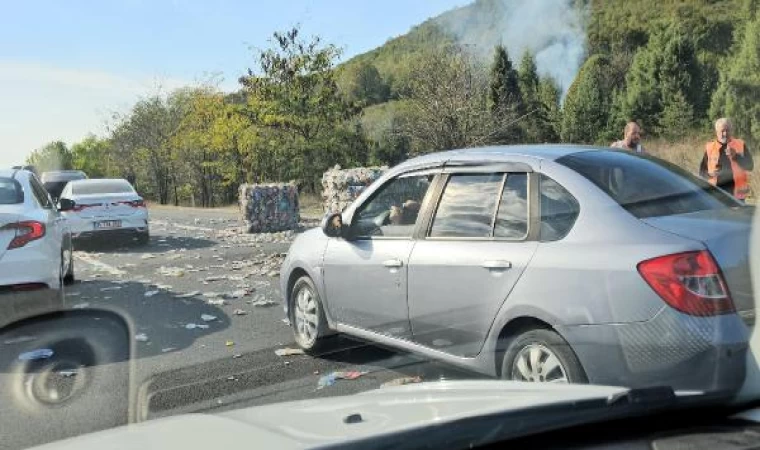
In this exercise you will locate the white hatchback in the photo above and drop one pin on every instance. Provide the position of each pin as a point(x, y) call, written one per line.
point(35, 244)
point(106, 208)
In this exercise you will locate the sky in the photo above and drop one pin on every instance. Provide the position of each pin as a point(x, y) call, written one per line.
point(66, 67)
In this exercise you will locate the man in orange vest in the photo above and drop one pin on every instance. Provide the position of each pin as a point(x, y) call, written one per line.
point(727, 162)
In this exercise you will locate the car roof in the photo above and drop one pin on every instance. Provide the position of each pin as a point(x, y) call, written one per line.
point(62, 175)
point(98, 180)
point(11, 173)
point(502, 153)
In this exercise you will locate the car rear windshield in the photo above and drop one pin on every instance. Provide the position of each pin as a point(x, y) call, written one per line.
point(646, 186)
point(102, 187)
point(10, 192)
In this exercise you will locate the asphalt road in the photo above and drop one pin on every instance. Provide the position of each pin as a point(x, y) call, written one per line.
point(204, 303)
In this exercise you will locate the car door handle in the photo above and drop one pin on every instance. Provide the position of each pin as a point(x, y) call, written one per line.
point(497, 264)
point(393, 263)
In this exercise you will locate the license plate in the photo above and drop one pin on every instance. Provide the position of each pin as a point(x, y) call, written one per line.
point(108, 224)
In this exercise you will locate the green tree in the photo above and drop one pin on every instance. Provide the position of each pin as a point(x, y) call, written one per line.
point(504, 94)
point(367, 87)
point(549, 99)
point(295, 100)
point(586, 107)
point(528, 78)
point(665, 71)
point(93, 156)
point(739, 90)
point(52, 156)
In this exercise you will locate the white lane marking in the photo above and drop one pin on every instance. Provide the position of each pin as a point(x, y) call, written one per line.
point(99, 265)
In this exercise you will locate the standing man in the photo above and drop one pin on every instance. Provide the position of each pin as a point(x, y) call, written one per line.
point(631, 139)
point(727, 162)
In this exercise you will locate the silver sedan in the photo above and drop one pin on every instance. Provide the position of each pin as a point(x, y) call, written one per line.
point(536, 263)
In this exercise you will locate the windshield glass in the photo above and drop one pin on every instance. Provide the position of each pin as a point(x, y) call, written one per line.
point(647, 187)
point(454, 206)
point(101, 187)
point(10, 192)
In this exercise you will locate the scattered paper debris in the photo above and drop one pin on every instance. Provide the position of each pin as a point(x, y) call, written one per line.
point(240, 293)
point(67, 373)
point(263, 303)
point(148, 256)
point(207, 317)
point(229, 343)
point(34, 355)
point(141, 337)
point(108, 289)
point(330, 379)
point(236, 356)
point(239, 312)
point(151, 293)
point(402, 381)
point(171, 271)
point(189, 294)
point(81, 306)
point(211, 294)
point(215, 278)
point(288, 351)
point(192, 326)
point(167, 349)
point(73, 294)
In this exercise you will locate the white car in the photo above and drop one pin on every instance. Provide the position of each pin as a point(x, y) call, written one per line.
point(35, 243)
point(106, 208)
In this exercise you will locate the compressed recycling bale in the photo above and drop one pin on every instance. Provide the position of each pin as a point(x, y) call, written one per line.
point(269, 208)
point(340, 187)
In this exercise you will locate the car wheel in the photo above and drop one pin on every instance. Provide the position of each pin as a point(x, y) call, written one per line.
point(69, 279)
point(541, 356)
point(308, 318)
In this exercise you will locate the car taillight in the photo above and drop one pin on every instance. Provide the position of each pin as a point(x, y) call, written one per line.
point(26, 232)
point(690, 282)
point(135, 203)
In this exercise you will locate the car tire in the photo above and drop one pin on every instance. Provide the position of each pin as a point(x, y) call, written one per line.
point(69, 278)
point(557, 361)
point(307, 315)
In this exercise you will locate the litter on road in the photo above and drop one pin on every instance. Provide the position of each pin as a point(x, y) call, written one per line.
point(236, 356)
point(192, 326)
point(141, 337)
point(167, 349)
point(229, 343)
point(189, 294)
point(108, 289)
point(216, 301)
point(207, 317)
point(402, 381)
point(81, 306)
point(171, 271)
point(151, 293)
point(67, 373)
point(330, 379)
point(34, 355)
point(148, 256)
point(239, 312)
point(263, 303)
point(288, 351)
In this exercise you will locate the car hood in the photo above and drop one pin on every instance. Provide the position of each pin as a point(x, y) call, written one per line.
point(328, 421)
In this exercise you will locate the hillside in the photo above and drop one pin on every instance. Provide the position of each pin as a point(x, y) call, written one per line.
point(560, 34)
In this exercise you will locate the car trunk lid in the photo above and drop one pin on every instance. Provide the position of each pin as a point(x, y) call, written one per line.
point(726, 234)
point(105, 205)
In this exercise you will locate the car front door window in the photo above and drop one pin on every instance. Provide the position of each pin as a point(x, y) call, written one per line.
point(393, 211)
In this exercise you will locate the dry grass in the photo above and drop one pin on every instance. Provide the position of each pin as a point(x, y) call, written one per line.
point(687, 153)
point(311, 206)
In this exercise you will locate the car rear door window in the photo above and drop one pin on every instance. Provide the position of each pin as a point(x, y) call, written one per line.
point(10, 192)
point(512, 218)
point(467, 206)
point(559, 210)
point(647, 186)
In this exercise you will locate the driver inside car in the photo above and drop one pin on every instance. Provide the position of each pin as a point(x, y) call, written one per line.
point(406, 214)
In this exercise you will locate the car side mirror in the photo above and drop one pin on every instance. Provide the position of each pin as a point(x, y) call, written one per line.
point(65, 204)
point(332, 225)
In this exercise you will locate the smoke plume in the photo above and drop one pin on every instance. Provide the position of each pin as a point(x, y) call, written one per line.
point(551, 29)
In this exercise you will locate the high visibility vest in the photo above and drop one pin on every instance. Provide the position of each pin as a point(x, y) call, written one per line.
point(741, 177)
